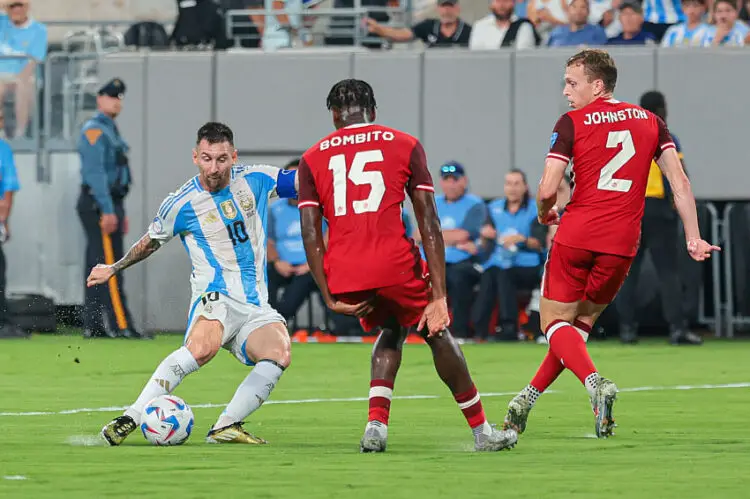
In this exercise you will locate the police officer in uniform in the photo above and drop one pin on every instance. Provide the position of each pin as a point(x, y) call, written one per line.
point(105, 181)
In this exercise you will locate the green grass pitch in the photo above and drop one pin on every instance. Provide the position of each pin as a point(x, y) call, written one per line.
point(687, 442)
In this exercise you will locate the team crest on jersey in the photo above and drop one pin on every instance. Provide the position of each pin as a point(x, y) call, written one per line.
point(553, 139)
point(228, 208)
point(247, 205)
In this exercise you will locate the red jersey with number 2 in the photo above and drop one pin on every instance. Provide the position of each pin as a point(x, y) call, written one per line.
point(359, 176)
point(611, 144)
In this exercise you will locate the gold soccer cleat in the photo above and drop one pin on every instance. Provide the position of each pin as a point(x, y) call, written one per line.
point(233, 434)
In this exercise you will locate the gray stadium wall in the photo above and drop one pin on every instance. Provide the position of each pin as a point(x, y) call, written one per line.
point(489, 110)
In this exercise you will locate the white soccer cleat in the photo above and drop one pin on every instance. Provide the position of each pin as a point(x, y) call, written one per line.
point(603, 401)
point(375, 437)
point(495, 440)
point(518, 413)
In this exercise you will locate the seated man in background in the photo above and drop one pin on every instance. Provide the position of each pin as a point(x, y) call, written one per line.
point(461, 217)
point(20, 36)
point(515, 261)
point(631, 18)
point(287, 262)
point(578, 32)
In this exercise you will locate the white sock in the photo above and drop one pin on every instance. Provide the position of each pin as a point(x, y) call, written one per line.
point(483, 429)
point(591, 382)
point(531, 393)
point(252, 392)
point(165, 379)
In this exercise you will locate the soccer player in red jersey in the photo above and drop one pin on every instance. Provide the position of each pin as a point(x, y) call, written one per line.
point(611, 145)
point(357, 178)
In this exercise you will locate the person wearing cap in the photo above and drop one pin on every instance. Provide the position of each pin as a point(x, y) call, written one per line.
point(461, 217)
point(660, 237)
point(105, 181)
point(631, 18)
point(26, 38)
point(447, 31)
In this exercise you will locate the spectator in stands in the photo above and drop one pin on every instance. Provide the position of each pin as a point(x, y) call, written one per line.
point(287, 263)
point(515, 260)
point(578, 32)
point(547, 15)
point(727, 30)
point(461, 217)
point(501, 28)
point(660, 15)
point(683, 34)
point(8, 187)
point(603, 13)
point(342, 28)
point(447, 31)
point(283, 30)
point(21, 36)
point(745, 12)
point(659, 236)
point(545, 234)
point(631, 18)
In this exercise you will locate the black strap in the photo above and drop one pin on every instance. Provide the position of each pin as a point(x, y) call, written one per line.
point(512, 33)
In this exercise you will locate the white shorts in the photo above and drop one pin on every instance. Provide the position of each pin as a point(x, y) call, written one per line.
point(238, 318)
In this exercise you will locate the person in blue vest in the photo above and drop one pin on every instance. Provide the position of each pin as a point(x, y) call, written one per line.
point(105, 181)
point(514, 263)
point(461, 217)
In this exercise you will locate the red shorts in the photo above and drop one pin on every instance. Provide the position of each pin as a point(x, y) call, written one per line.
point(573, 274)
point(404, 302)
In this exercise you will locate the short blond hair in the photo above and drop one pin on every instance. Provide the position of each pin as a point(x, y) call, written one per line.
point(597, 65)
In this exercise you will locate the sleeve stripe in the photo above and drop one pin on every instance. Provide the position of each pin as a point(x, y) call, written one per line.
point(668, 145)
point(302, 204)
point(555, 155)
point(425, 187)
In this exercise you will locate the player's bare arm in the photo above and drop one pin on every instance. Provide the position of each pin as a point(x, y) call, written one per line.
point(141, 250)
point(546, 196)
point(684, 201)
point(436, 314)
point(311, 221)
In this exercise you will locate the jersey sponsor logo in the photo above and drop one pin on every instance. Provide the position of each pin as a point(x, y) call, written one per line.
point(553, 139)
point(92, 135)
point(228, 208)
point(357, 138)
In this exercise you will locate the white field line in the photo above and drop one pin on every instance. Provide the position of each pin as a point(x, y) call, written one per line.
point(364, 399)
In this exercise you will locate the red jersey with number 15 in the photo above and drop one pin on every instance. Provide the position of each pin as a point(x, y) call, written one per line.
point(359, 176)
point(611, 144)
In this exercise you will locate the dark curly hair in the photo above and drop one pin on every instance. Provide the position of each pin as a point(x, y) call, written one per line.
point(350, 94)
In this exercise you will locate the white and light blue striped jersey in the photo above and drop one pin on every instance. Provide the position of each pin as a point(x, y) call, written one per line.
point(735, 38)
point(663, 11)
point(224, 232)
point(680, 35)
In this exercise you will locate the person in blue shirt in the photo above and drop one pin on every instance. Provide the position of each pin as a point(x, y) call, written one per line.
point(631, 18)
point(105, 181)
point(515, 259)
point(461, 217)
point(23, 37)
point(578, 32)
point(8, 187)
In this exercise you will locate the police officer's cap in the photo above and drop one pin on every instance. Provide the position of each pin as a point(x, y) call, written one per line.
point(113, 88)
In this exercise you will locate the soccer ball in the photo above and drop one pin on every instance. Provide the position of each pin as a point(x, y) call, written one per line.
point(167, 420)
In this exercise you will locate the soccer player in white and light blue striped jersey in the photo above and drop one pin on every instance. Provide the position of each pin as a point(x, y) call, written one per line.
point(220, 216)
point(684, 34)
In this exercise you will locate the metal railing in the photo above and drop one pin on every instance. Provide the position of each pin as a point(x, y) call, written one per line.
point(716, 321)
point(732, 320)
point(343, 23)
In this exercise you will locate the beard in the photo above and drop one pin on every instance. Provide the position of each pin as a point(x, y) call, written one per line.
point(502, 16)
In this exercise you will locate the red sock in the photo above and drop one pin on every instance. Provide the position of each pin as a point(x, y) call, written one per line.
point(568, 346)
point(548, 372)
point(381, 392)
point(471, 405)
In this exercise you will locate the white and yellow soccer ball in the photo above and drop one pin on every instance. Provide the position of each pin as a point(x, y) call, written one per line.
point(167, 420)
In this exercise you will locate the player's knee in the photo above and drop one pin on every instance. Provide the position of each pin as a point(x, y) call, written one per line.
point(204, 341)
point(202, 351)
point(280, 353)
point(270, 343)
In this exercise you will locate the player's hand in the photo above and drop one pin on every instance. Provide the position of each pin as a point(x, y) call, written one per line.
point(361, 309)
point(302, 269)
point(700, 250)
point(99, 275)
point(285, 269)
point(108, 223)
point(552, 217)
point(488, 232)
point(435, 317)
